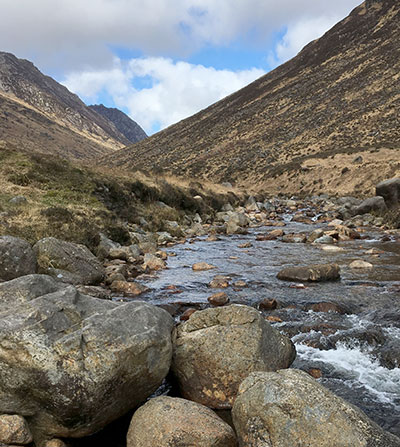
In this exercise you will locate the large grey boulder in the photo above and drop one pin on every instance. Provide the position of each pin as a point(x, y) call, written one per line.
point(71, 363)
point(68, 262)
point(311, 273)
point(167, 421)
point(390, 191)
point(16, 258)
point(376, 204)
point(288, 408)
point(217, 348)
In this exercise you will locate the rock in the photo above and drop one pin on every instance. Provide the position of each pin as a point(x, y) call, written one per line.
point(218, 299)
point(218, 347)
point(325, 239)
point(268, 304)
point(297, 238)
point(152, 262)
point(54, 443)
point(68, 262)
point(314, 273)
point(201, 266)
point(16, 258)
point(245, 245)
point(315, 372)
point(234, 228)
point(327, 306)
point(390, 191)
point(372, 204)
point(104, 246)
point(240, 283)
point(168, 421)
point(346, 233)
point(239, 219)
point(316, 234)
point(187, 314)
point(18, 200)
point(273, 319)
point(272, 235)
point(332, 248)
point(147, 247)
point(360, 264)
point(119, 253)
point(289, 408)
point(74, 363)
point(14, 430)
point(129, 288)
point(219, 282)
point(95, 291)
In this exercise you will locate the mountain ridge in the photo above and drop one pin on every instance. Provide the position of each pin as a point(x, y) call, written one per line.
point(339, 96)
point(38, 111)
point(125, 125)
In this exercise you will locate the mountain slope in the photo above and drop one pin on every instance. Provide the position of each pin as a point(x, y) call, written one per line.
point(35, 100)
point(337, 98)
point(129, 128)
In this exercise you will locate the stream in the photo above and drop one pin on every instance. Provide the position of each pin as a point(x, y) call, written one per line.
point(356, 348)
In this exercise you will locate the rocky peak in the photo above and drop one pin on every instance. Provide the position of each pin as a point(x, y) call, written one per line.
point(21, 79)
point(129, 128)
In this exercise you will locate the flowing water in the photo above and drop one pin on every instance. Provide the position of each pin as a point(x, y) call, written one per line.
point(357, 350)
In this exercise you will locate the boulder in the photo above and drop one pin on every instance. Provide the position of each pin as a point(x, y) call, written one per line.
point(104, 246)
point(14, 430)
point(311, 273)
point(289, 408)
point(153, 262)
point(218, 347)
point(74, 363)
point(167, 421)
point(68, 262)
point(16, 258)
point(372, 204)
point(390, 191)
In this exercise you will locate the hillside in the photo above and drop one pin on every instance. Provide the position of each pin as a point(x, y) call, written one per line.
point(327, 120)
point(129, 128)
point(37, 111)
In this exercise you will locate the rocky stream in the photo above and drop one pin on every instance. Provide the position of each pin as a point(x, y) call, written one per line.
point(346, 332)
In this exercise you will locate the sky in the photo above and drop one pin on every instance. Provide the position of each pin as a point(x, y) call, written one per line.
point(162, 60)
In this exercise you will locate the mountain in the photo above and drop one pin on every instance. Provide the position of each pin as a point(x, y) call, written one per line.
point(129, 128)
point(327, 120)
point(35, 110)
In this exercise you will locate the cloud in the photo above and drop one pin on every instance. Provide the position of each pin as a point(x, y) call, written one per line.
point(79, 34)
point(297, 36)
point(174, 90)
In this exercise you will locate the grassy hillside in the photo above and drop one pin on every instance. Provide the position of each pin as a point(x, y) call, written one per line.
point(298, 127)
point(74, 202)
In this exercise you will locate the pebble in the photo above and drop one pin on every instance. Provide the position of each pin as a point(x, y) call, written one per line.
point(202, 266)
point(360, 264)
point(218, 299)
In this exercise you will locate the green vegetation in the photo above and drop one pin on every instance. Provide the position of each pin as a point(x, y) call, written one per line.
point(75, 202)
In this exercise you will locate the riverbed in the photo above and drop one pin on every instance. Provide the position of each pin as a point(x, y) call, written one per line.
point(355, 348)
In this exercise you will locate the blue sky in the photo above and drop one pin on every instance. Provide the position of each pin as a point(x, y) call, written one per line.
point(162, 60)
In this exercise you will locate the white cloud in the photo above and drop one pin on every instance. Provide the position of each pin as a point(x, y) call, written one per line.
point(80, 33)
point(298, 35)
point(177, 90)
